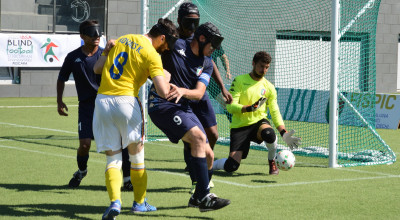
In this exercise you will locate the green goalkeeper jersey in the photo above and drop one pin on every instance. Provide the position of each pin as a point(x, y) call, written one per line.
point(246, 91)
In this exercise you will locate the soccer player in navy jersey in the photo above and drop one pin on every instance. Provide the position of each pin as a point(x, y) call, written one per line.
point(188, 20)
point(190, 66)
point(80, 63)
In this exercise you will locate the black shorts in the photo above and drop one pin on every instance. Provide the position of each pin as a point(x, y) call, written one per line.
point(241, 137)
point(85, 118)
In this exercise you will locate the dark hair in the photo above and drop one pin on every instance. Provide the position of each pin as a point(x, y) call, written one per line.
point(263, 57)
point(163, 27)
point(187, 8)
point(86, 24)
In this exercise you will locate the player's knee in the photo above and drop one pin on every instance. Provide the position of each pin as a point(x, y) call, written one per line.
point(84, 145)
point(231, 165)
point(137, 158)
point(268, 135)
point(114, 161)
point(197, 137)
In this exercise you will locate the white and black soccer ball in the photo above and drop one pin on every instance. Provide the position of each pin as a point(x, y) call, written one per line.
point(285, 160)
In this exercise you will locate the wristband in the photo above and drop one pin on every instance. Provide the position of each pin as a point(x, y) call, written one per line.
point(249, 108)
point(282, 132)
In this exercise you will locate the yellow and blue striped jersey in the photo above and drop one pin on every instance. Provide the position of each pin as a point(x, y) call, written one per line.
point(129, 63)
point(246, 91)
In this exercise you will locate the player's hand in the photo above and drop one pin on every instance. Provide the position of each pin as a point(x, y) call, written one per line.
point(175, 93)
point(256, 105)
point(110, 44)
point(290, 140)
point(227, 96)
point(60, 108)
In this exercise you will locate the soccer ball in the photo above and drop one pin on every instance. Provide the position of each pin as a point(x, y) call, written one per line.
point(285, 160)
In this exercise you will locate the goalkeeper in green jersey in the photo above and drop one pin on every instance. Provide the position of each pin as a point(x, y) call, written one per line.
point(252, 96)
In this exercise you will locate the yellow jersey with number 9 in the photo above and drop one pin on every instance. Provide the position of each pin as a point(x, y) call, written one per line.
point(129, 63)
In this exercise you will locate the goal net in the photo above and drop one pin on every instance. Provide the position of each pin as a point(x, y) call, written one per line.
point(297, 34)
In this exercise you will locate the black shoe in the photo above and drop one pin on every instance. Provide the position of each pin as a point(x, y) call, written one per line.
point(211, 202)
point(193, 202)
point(76, 179)
point(128, 186)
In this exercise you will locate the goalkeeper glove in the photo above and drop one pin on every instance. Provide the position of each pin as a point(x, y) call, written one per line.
point(290, 140)
point(256, 105)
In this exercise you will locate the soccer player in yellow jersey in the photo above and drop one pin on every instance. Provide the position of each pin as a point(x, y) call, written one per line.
point(252, 96)
point(118, 115)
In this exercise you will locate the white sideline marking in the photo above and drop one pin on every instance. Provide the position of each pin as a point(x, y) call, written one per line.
point(220, 181)
point(34, 106)
point(363, 171)
point(47, 129)
point(326, 181)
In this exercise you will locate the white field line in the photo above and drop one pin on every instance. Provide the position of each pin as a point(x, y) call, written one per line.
point(217, 180)
point(34, 106)
point(47, 129)
point(382, 175)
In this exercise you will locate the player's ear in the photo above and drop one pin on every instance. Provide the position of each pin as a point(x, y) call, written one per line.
point(202, 38)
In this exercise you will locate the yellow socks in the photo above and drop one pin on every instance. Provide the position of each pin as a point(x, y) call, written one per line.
point(139, 181)
point(113, 183)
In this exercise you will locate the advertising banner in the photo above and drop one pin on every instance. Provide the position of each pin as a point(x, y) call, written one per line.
point(387, 111)
point(37, 50)
point(313, 106)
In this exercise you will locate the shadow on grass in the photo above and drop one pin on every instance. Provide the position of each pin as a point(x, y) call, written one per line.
point(170, 190)
point(42, 187)
point(223, 173)
point(76, 211)
point(263, 181)
point(47, 210)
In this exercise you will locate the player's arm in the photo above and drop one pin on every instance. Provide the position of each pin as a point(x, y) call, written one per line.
point(60, 104)
point(225, 63)
point(63, 76)
point(98, 66)
point(290, 140)
point(235, 107)
point(161, 84)
point(192, 94)
point(218, 79)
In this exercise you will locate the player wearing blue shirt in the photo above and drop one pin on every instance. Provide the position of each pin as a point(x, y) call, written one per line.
point(188, 20)
point(80, 63)
point(190, 68)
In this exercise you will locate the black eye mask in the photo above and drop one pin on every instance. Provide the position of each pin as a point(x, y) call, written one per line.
point(190, 23)
point(92, 31)
point(216, 41)
point(168, 37)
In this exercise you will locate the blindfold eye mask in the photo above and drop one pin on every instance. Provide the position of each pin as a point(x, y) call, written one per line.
point(190, 23)
point(92, 31)
point(168, 37)
point(216, 41)
point(171, 41)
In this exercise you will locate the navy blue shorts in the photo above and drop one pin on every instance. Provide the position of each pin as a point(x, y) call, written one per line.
point(241, 137)
point(174, 120)
point(204, 111)
point(85, 118)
